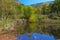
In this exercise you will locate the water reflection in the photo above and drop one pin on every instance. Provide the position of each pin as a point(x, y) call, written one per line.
point(35, 36)
point(43, 29)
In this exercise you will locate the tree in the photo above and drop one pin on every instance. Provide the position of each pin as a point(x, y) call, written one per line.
point(46, 8)
point(8, 9)
point(56, 6)
point(39, 10)
point(28, 11)
point(20, 10)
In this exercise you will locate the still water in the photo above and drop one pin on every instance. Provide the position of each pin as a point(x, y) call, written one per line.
point(35, 36)
point(40, 32)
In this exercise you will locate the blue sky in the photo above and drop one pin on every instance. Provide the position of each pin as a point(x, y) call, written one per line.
point(29, 2)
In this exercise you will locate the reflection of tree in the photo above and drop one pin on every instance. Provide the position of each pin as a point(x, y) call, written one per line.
point(27, 28)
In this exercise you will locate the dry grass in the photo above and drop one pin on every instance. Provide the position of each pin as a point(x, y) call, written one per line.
point(7, 37)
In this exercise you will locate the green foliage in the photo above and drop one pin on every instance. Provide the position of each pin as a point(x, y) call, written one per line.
point(46, 8)
point(55, 17)
point(56, 6)
point(28, 11)
point(7, 23)
point(10, 10)
point(33, 18)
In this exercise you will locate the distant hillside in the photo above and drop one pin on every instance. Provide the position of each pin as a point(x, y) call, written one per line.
point(40, 4)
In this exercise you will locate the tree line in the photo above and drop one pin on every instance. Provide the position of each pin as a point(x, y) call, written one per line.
point(12, 9)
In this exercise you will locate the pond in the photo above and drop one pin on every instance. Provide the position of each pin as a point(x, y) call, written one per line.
point(35, 36)
point(40, 31)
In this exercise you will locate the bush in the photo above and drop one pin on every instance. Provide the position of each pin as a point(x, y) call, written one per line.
point(33, 18)
point(55, 17)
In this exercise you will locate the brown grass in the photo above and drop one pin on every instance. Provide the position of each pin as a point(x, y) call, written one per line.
point(7, 37)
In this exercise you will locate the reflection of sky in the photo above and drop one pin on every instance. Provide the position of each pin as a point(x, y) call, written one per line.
point(35, 36)
point(28, 2)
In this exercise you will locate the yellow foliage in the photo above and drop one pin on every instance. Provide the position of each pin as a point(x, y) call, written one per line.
point(33, 18)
